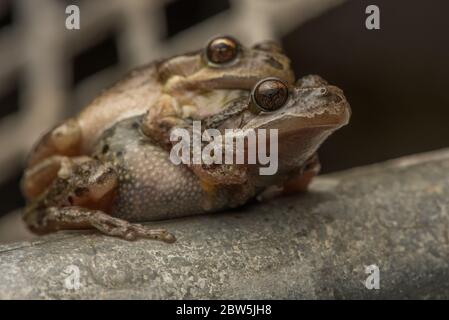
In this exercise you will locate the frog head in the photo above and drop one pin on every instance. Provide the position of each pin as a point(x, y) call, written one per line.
point(303, 115)
point(224, 63)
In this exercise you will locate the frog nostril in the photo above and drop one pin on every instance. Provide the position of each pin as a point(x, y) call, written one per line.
point(324, 92)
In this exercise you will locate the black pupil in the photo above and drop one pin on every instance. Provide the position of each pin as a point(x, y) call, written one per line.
point(221, 50)
point(271, 95)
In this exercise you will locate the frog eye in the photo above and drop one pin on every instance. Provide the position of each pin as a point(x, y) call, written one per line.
point(222, 50)
point(270, 94)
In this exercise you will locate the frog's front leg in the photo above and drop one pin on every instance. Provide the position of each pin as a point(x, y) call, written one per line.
point(217, 177)
point(54, 219)
point(298, 183)
point(301, 182)
point(164, 115)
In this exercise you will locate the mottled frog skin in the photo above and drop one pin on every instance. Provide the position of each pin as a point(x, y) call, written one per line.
point(168, 91)
point(130, 178)
point(150, 186)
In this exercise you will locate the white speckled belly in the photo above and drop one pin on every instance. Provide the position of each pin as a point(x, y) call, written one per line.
point(150, 187)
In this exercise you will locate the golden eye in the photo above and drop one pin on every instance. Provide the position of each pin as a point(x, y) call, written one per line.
point(270, 94)
point(222, 50)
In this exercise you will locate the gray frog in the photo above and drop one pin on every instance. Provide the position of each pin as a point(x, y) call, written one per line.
point(129, 177)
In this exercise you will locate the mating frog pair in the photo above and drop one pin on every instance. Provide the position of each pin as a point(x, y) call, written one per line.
point(110, 165)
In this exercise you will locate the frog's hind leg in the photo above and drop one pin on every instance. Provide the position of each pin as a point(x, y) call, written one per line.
point(53, 219)
point(38, 177)
point(81, 198)
point(64, 140)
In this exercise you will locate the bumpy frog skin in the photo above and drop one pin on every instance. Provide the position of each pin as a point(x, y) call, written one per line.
point(187, 85)
point(130, 178)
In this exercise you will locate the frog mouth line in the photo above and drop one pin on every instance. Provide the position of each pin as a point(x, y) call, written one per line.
point(325, 119)
point(292, 122)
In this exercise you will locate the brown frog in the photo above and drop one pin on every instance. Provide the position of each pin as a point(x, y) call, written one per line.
point(168, 91)
point(131, 177)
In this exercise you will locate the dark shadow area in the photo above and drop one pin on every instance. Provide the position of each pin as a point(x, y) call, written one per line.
point(395, 78)
point(6, 13)
point(96, 58)
point(182, 14)
point(10, 98)
point(69, 2)
point(10, 187)
point(11, 194)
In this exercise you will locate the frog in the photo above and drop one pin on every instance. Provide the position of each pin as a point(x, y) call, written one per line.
point(129, 178)
point(167, 91)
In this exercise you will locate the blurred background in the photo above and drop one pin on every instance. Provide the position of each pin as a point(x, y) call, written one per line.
point(395, 78)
